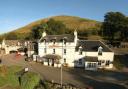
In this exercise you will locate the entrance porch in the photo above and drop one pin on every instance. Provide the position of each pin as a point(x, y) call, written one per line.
point(91, 63)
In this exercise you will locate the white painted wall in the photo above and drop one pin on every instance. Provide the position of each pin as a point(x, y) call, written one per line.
point(72, 56)
point(70, 51)
point(105, 56)
point(10, 48)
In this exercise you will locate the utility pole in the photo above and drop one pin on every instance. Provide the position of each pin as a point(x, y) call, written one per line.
point(62, 66)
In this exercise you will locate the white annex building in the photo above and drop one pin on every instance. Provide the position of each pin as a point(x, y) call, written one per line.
point(70, 51)
point(9, 46)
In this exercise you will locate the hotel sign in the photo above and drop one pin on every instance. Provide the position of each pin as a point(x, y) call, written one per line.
point(53, 46)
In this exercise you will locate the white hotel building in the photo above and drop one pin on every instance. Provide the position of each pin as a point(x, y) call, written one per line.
point(74, 52)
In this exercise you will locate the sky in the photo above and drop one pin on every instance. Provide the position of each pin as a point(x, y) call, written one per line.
point(17, 13)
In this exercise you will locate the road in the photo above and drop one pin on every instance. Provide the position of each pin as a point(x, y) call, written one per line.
point(78, 77)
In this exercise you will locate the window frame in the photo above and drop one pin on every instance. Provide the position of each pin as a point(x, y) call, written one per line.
point(54, 51)
point(65, 52)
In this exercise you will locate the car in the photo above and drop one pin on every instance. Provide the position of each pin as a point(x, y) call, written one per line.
point(40, 59)
point(28, 59)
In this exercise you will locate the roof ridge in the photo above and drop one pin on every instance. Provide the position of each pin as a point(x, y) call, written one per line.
point(106, 46)
point(58, 35)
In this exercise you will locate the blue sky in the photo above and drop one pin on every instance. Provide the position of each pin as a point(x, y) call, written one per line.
point(18, 13)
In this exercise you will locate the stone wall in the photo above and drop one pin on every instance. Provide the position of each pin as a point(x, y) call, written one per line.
point(52, 85)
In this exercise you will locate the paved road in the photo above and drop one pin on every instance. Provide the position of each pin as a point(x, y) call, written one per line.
point(79, 77)
point(82, 78)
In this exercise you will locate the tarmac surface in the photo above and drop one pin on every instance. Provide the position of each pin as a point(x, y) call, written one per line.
point(74, 76)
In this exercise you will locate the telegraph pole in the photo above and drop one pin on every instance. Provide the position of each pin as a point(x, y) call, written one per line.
point(61, 81)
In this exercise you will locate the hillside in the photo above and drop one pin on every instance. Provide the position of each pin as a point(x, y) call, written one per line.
point(71, 22)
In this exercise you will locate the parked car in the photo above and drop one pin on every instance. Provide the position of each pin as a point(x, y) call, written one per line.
point(40, 59)
point(13, 51)
point(28, 59)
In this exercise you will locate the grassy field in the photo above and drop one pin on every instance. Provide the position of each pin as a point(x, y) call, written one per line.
point(8, 76)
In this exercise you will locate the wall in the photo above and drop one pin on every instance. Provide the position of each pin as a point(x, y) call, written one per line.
point(10, 48)
point(70, 51)
point(105, 56)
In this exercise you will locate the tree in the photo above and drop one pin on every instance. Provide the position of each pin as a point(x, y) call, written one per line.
point(55, 27)
point(51, 27)
point(35, 33)
point(124, 30)
point(113, 23)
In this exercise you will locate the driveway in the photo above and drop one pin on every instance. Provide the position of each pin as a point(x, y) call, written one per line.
point(78, 77)
point(82, 78)
point(13, 59)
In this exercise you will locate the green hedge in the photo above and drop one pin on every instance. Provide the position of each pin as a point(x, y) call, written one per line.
point(29, 80)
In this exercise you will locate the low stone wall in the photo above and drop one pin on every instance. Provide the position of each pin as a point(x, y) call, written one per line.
point(52, 85)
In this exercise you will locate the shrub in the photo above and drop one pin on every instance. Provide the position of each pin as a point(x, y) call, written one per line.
point(29, 80)
point(117, 63)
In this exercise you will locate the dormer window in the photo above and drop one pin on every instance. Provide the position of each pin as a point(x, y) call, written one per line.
point(65, 40)
point(44, 41)
point(100, 50)
point(18, 43)
point(80, 50)
point(54, 41)
point(25, 43)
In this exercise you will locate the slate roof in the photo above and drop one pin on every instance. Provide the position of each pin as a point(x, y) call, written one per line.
point(11, 42)
point(58, 38)
point(15, 42)
point(91, 46)
point(91, 59)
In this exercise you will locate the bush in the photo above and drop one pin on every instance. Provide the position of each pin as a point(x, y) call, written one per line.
point(29, 80)
point(117, 63)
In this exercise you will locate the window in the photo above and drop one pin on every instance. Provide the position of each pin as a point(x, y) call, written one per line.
point(94, 65)
point(53, 51)
point(99, 53)
point(80, 50)
point(64, 51)
point(91, 65)
point(99, 62)
point(45, 41)
point(65, 42)
point(45, 51)
point(100, 49)
point(88, 65)
point(103, 61)
point(107, 63)
point(80, 61)
point(54, 41)
point(64, 60)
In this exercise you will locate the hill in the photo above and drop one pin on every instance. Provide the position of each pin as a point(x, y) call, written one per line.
point(71, 22)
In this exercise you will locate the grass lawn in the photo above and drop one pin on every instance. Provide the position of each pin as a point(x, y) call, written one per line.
point(8, 76)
